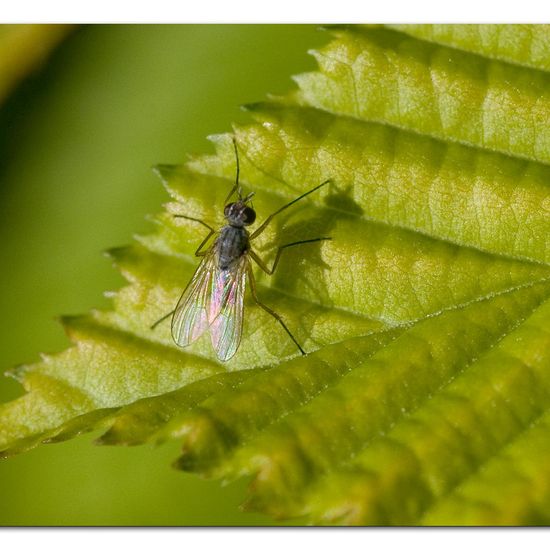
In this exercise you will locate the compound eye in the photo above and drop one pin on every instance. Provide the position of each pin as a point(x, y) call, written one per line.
point(249, 215)
point(227, 209)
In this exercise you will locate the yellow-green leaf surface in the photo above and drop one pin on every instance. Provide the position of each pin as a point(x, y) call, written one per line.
point(425, 394)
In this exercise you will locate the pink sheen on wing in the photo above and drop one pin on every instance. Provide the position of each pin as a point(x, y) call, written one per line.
point(226, 327)
point(221, 293)
point(196, 324)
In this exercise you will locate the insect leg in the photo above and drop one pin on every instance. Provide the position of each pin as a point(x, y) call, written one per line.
point(199, 251)
point(157, 323)
point(271, 216)
point(195, 220)
point(280, 250)
point(269, 310)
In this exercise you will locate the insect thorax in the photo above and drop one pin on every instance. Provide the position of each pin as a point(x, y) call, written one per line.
point(231, 244)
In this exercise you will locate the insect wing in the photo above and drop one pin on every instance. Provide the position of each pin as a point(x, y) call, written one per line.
point(191, 316)
point(227, 307)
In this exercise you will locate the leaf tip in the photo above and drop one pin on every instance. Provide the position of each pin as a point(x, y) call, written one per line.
point(252, 107)
point(17, 372)
point(164, 171)
point(115, 253)
point(73, 325)
point(109, 438)
point(68, 320)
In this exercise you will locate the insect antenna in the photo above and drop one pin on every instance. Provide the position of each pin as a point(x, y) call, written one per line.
point(237, 187)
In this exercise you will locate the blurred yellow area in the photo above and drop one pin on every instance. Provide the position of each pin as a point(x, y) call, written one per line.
point(23, 48)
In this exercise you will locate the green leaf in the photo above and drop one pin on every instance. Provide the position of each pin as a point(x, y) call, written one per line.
point(426, 387)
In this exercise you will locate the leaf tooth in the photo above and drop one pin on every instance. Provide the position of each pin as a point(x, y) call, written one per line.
point(137, 264)
point(118, 252)
point(205, 440)
point(165, 171)
point(72, 324)
point(17, 372)
point(256, 106)
point(79, 425)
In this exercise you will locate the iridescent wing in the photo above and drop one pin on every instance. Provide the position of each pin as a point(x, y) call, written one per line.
point(227, 308)
point(191, 316)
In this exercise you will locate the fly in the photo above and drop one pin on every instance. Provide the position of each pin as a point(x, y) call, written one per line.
point(214, 297)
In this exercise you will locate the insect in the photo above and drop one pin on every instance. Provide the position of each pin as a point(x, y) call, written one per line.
point(214, 297)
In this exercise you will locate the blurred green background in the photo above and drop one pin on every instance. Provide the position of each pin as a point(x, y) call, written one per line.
point(78, 138)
